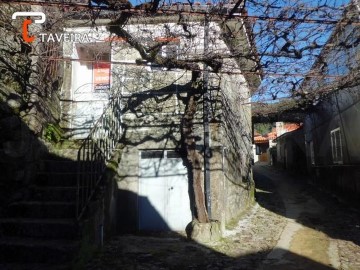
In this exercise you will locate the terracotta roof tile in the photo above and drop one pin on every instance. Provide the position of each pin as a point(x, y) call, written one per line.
point(273, 135)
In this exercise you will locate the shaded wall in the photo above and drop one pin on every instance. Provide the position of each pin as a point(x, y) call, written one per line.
point(233, 187)
point(291, 151)
point(341, 110)
point(20, 151)
point(29, 102)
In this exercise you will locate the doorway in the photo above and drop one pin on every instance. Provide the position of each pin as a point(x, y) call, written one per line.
point(164, 203)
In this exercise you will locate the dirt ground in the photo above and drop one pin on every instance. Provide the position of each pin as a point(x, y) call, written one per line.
point(291, 226)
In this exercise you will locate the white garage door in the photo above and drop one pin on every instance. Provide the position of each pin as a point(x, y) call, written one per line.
point(163, 192)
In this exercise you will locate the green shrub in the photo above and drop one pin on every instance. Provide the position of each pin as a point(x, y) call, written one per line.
point(52, 133)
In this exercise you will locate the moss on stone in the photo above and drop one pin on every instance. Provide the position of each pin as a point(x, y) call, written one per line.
point(251, 200)
point(233, 223)
point(53, 133)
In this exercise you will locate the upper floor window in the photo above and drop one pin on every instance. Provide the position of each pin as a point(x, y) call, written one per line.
point(95, 65)
point(336, 146)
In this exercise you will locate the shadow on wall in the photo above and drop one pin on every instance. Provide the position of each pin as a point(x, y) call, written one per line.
point(340, 180)
point(336, 219)
point(129, 219)
point(128, 213)
point(37, 186)
point(20, 152)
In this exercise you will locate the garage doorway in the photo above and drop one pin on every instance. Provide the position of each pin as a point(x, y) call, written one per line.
point(164, 203)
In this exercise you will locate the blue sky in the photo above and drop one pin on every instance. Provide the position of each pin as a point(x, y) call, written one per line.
point(275, 86)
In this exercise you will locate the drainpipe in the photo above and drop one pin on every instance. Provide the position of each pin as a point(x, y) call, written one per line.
point(206, 113)
point(224, 197)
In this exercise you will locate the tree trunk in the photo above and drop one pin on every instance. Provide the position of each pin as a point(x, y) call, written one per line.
point(193, 158)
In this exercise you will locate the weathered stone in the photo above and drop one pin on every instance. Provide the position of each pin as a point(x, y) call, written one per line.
point(204, 233)
point(14, 103)
point(33, 123)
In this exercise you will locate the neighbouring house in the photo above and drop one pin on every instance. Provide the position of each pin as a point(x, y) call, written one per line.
point(331, 127)
point(262, 144)
point(152, 190)
point(290, 151)
point(265, 146)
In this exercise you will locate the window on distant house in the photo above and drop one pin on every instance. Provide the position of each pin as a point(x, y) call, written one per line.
point(257, 150)
point(336, 146)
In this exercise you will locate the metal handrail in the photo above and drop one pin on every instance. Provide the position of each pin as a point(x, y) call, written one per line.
point(95, 151)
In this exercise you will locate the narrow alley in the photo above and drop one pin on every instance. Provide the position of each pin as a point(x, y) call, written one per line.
point(292, 225)
point(177, 134)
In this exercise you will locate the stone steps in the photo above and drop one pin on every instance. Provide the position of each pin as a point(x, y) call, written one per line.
point(39, 228)
point(34, 266)
point(56, 179)
point(40, 231)
point(42, 209)
point(58, 165)
point(40, 193)
point(35, 250)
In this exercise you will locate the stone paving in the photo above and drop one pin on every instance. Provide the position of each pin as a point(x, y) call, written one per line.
point(292, 226)
point(321, 232)
point(342, 224)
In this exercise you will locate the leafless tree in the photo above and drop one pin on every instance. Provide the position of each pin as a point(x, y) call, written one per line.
point(286, 38)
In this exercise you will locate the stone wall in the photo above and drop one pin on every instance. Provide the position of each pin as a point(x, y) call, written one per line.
point(232, 187)
point(291, 151)
point(231, 177)
point(151, 110)
point(20, 150)
point(29, 102)
point(340, 111)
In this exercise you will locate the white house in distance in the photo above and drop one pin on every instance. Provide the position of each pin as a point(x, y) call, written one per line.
point(153, 187)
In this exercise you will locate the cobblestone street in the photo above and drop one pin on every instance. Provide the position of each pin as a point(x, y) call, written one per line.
point(291, 226)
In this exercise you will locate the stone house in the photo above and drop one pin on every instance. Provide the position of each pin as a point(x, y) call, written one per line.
point(332, 128)
point(262, 144)
point(266, 148)
point(290, 150)
point(152, 190)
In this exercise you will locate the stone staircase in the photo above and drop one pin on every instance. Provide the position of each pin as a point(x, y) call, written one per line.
point(40, 230)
